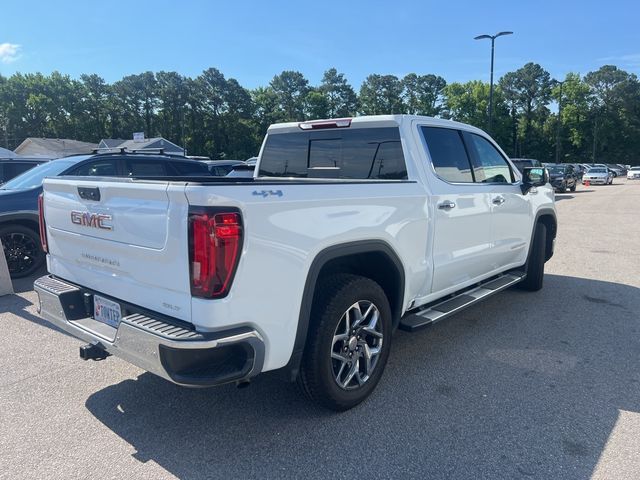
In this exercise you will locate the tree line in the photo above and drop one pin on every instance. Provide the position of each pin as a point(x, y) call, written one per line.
point(576, 119)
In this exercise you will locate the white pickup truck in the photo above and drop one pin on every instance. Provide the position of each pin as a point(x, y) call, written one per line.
point(349, 229)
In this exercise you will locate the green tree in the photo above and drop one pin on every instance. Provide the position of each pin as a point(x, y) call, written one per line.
point(94, 94)
point(423, 94)
point(172, 106)
point(530, 89)
point(317, 105)
point(340, 96)
point(291, 89)
point(615, 99)
point(381, 94)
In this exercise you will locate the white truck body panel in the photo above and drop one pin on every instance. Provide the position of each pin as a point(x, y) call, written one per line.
point(144, 258)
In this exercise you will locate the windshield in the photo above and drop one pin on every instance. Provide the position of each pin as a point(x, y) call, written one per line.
point(635, 168)
point(597, 170)
point(33, 178)
point(556, 170)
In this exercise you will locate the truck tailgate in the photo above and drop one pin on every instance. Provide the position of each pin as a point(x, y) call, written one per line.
point(125, 239)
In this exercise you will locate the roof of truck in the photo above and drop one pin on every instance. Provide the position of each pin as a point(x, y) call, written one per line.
point(377, 121)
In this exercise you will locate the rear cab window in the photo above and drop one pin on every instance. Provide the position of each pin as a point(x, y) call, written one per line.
point(354, 153)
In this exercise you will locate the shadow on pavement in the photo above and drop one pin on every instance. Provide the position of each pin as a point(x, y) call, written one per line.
point(523, 385)
point(563, 196)
point(21, 285)
point(18, 306)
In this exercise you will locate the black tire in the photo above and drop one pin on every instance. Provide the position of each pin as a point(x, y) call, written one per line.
point(563, 188)
point(334, 297)
point(573, 188)
point(535, 264)
point(22, 250)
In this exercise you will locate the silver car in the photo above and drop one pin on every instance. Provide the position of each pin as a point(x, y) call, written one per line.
point(598, 176)
point(633, 173)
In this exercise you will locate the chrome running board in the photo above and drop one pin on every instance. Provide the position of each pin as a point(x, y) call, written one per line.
point(441, 309)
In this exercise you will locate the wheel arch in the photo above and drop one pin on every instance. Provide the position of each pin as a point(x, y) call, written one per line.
point(374, 259)
point(27, 220)
point(547, 217)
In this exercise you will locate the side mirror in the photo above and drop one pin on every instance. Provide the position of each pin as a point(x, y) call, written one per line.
point(534, 177)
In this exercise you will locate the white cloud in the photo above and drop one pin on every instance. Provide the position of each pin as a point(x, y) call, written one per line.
point(631, 60)
point(9, 52)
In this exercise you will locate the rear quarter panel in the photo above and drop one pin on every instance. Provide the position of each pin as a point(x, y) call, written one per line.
point(286, 228)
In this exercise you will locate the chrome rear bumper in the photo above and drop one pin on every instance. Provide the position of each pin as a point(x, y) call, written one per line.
point(160, 345)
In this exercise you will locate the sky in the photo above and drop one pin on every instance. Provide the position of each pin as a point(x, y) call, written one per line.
point(252, 41)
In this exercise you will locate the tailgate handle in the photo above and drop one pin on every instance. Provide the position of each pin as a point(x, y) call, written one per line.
point(89, 193)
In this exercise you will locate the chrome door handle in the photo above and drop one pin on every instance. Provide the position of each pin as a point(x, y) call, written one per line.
point(446, 205)
point(498, 200)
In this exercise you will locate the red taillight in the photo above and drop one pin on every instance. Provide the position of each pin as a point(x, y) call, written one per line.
point(215, 243)
point(43, 227)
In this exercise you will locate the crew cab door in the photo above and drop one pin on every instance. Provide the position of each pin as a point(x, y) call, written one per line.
point(511, 219)
point(462, 211)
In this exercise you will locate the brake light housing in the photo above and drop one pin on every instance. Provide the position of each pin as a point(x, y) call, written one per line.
point(215, 244)
point(323, 124)
point(42, 225)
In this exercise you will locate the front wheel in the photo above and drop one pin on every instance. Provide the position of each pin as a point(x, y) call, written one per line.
point(575, 184)
point(349, 342)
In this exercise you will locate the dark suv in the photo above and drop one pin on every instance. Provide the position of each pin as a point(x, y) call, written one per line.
point(12, 167)
point(563, 177)
point(522, 163)
point(19, 197)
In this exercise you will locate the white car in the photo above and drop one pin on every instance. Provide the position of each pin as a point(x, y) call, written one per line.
point(348, 229)
point(598, 176)
point(633, 173)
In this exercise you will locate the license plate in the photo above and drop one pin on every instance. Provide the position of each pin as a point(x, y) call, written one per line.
point(106, 311)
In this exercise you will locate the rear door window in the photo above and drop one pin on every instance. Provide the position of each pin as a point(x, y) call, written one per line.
point(359, 153)
point(448, 154)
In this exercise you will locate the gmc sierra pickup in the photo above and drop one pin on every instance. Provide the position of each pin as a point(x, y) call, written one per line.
point(349, 229)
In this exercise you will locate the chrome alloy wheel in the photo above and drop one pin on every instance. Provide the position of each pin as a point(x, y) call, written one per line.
point(356, 346)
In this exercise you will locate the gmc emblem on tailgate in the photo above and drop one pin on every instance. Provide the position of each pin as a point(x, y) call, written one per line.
point(94, 220)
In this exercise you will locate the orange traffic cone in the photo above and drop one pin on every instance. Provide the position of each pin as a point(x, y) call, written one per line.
point(586, 183)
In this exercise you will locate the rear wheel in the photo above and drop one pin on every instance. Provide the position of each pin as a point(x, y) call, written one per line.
point(349, 342)
point(535, 264)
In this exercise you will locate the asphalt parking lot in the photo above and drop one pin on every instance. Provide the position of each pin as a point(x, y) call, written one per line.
point(525, 385)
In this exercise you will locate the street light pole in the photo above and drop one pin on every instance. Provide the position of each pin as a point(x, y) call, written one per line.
point(559, 127)
point(493, 41)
